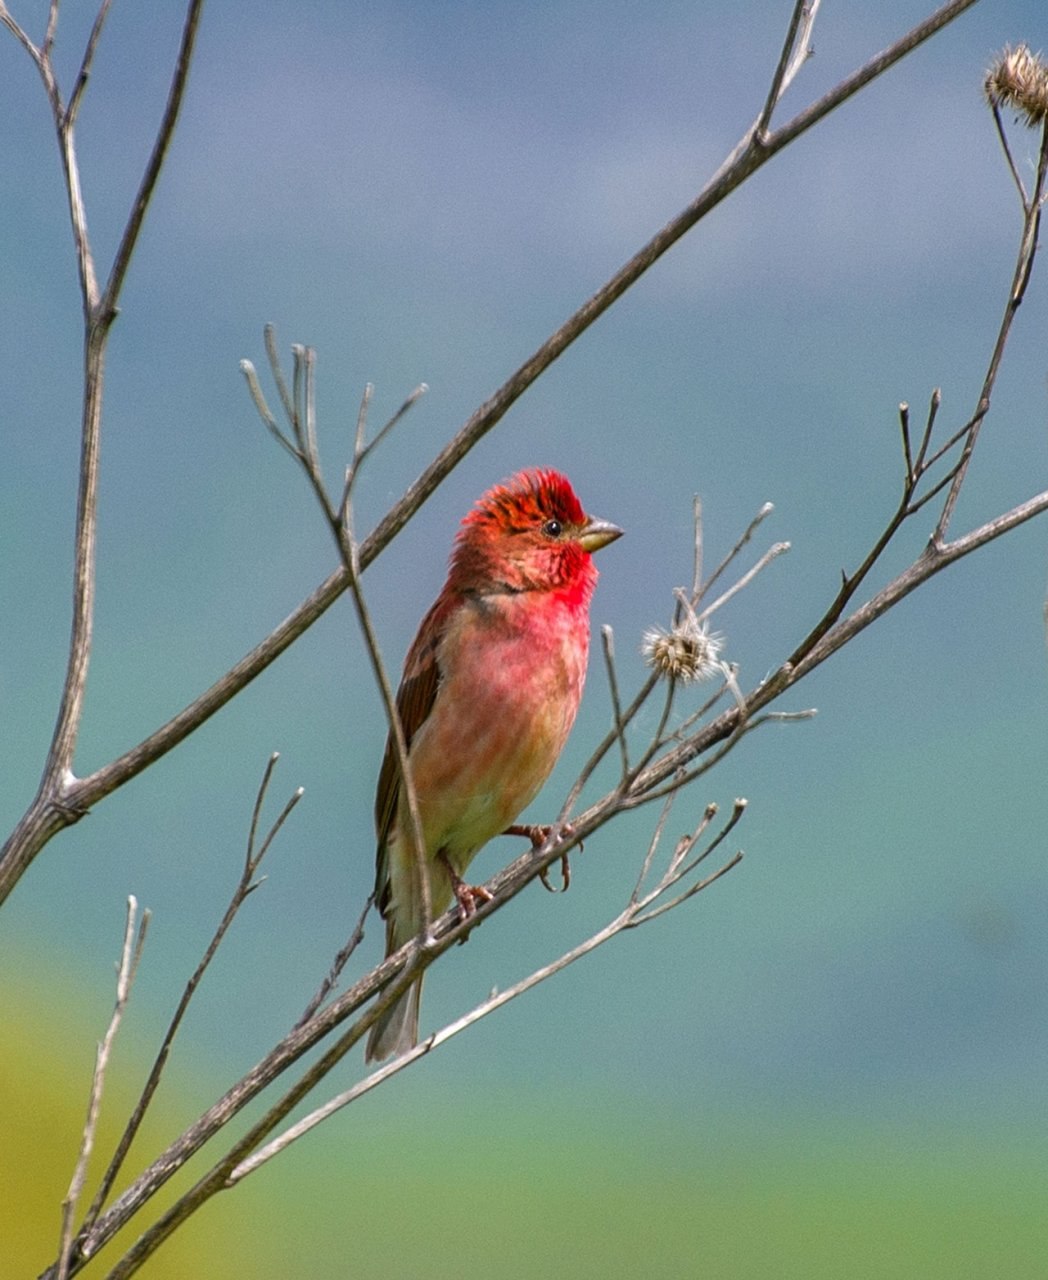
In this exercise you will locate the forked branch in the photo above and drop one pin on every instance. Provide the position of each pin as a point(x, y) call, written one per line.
point(62, 797)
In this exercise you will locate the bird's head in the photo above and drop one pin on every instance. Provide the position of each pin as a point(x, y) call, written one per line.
point(529, 534)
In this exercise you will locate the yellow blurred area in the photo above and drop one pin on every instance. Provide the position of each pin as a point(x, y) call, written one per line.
point(46, 1061)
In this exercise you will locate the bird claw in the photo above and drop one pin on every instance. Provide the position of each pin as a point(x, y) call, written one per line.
point(565, 875)
point(468, 896)
point(538, 835)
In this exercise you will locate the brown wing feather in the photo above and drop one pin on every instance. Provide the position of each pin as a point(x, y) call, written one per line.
point(415, 698)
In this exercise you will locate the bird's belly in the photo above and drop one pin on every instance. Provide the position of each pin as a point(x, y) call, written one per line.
point(489, 745)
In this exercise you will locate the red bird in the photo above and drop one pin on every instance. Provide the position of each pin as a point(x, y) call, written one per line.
point(489, 693)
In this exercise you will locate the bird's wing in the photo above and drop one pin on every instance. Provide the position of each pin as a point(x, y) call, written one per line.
point(415, 698)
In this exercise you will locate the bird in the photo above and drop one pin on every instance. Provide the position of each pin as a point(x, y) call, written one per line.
point(489, 693)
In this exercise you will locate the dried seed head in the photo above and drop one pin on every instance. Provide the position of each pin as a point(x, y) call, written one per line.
point(687, 652)
point(1018, 79)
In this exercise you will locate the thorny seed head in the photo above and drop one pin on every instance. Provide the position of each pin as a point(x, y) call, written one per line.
point(1018, 79)
point(687, 652)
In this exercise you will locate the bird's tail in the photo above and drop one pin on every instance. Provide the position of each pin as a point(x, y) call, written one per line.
point(397, 1029)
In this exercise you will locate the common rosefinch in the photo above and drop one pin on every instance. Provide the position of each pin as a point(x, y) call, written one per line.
point(489, 693)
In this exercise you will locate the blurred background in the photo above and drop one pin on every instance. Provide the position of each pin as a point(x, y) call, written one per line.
point(831, 1063)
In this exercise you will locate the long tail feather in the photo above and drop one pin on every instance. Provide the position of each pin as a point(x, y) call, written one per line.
point(397, 1030)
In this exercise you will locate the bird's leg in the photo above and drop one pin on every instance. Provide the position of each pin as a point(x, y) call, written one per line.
point(468, 896)
point(538, 835)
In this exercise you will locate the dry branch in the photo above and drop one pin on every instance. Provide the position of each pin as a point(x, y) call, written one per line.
point(651, 770)
point(61, 800)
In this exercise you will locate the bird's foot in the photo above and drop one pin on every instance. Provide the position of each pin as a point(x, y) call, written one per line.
point(468, 896)
point(538, 835)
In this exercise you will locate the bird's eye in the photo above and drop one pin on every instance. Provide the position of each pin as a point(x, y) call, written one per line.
point(552, 528)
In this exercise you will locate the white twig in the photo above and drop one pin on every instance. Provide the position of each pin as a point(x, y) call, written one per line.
point(777, 549)
point(750, 530)
point(796, 51)
point(130, 954)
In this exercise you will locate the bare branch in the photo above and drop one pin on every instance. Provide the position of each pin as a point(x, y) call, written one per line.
point(85, 65)
point(264, 412)
point(129, 239)
point(1006, 148)
point(359, 439)
point(245, 886)
point(337, 965)
point(301, 411)
point(384, 430)
point(774, 551)
point(630, 916)
point(904, 426)
point(750, 530)
point(657, 775)
point(929, 427)
point(52, 25)
point(130, 954)
point(45, 818)
point(688, 893)
point(796, 50)
point(1020, 279)
point(607, 639)
point(269, 338)
point(39, 57)
point(398, 970)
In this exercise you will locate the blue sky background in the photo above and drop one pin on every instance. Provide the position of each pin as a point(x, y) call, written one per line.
point(423, 193)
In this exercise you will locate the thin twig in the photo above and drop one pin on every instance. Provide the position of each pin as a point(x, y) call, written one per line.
point(625, 920)
point(1020, 279)
point(264, 412)
point(337, 965)
point(913, 507)
point(960, 434)
point(926, 438)
point(795, 52)
point(803, 47)
point(653, 845)
point(165, 131)
point(607, 640)
point(85, 64)
point(681, 869)
point(52, 25)
point(269, 339)
point(45, 818)
point(359, 440)
point(750, 530)
point(245, 886)
point(904, 426)
point(690, 892)
point(38, 56)
point(300, 409)
point(513, 879)
point(696, 563)
point(774, 551)
point(394, 421)
point(130, 954)
point(701, 711)
point(1003, 138)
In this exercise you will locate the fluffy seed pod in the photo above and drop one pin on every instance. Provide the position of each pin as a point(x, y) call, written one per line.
point(1018, 79)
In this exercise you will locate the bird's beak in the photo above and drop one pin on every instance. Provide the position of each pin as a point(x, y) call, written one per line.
point(598, 533)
